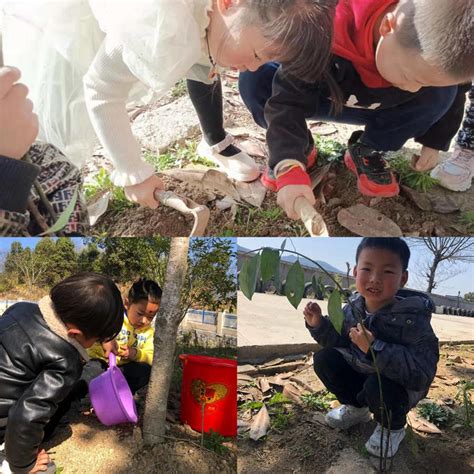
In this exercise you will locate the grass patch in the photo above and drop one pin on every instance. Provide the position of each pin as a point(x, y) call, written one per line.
point(467, 219)
point(177, 157)
point(281, 419)
point(419, 181)
point(318, 401)
point(102, 184)
point(180, 89)
point(329, 150)
point(214, 442)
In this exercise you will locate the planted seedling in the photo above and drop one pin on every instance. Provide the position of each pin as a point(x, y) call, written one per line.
point(318, 401)
point(434, 413)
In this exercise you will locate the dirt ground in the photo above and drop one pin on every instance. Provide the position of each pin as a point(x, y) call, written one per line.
point(306, 444)
point(82, 444)
point(408, 211)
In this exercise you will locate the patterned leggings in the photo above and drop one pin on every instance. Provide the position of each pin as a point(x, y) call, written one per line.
point(466, 134)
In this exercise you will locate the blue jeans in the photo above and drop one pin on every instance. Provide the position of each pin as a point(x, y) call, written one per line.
point(385, 130)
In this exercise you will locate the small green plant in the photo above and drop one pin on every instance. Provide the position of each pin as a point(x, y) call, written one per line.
point(467, 219)
point(59, 470)
point(329, 150)
point(278, 399)
point(251, 405)
point(214, 442)
point(434, 413)
point(179, 89)
point(281, 419)
point(419, 181)
point(271, 214)
point(162, 162)
point(101, 184)
point(318, 401)
point(464, 395)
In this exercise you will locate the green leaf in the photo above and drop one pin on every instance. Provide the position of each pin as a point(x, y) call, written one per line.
point(269, 263)
point(64, 217)
point(248, 276)
point(315, 286)
point(336, 315)
point(294, 287)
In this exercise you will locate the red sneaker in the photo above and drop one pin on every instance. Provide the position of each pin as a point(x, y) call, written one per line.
point(374, 177)
point(268, 179)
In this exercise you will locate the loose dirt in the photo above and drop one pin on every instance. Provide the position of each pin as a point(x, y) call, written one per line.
point(307, 445)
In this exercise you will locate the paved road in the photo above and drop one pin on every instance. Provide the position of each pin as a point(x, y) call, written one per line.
point(271, 320)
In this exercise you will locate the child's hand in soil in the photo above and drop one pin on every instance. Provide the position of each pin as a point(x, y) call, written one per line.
point(110, 346)
point(18, 123)
point(42, 461)
point(312, 314)
point(428, 159)
point(357, 336)
point(126, 352)
point(143, 193)
point(289, 194)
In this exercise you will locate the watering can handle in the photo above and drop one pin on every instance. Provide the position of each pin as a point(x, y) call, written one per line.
point(112, 360)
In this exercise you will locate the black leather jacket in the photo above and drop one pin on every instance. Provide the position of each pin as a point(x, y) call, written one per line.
point(405, 344)
point(37, 370)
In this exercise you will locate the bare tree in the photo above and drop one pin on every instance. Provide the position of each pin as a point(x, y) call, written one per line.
point(170, 315)
point(449, 250)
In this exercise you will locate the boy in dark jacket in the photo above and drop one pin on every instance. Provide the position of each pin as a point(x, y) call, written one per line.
point(42, 352)
point(395, 69)
point(397, 328)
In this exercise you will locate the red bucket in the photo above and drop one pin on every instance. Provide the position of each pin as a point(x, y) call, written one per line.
point(209, 387)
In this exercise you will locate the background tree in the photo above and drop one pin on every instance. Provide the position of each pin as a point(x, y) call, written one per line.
point(127, 259)
point(469, 297)
point(211, 279)
point(167, 322)
point(90, 258)
point(445, 256)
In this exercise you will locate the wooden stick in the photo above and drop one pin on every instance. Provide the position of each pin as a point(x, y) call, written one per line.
point(311, 218)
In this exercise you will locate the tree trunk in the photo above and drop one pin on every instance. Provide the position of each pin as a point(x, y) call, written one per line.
point(431, 278)
point(167, 322)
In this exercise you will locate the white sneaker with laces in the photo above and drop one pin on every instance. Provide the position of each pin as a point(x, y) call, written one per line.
point(345, 416)
point(394, 440)
point(457, 171)
point(240, 167)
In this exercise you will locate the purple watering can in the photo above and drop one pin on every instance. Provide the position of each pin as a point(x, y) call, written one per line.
point(111, 396)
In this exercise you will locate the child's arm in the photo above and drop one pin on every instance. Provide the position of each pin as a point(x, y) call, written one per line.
point(28, 417)
point(287, 138)
point(413, 366)
point(107, 85)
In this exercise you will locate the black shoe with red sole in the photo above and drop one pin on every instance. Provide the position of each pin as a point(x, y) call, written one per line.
point(374, 177)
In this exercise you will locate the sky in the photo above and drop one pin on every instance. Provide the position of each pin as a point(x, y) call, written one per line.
point(339, 250)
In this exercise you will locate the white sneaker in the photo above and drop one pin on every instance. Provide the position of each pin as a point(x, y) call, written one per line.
point(240, 167)
point(456, 172)
point(394, 440)
point(345, 416)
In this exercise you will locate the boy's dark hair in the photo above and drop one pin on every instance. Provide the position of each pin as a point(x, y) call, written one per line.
point(442, 31)
point(394, 244)
point(90, 301)
point(144, 290)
